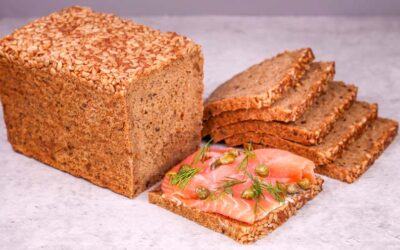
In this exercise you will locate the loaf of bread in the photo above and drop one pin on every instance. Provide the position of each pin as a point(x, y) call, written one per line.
point(261, 84)
point(349, 126)
point(310, 128)
point(102, 98)
point(292, 104)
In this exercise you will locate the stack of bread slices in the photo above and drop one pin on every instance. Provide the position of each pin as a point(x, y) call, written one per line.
point(291, 102)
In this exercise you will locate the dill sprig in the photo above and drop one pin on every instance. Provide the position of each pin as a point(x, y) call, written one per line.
point(276, 192)
point(256, 186)
point(248, 154)
point(200, 156)
point(229, 183)
point(184, 175)
point(226, 187)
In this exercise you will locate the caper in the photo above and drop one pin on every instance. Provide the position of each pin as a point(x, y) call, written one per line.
point(170, 173)
point(185, 167)
point(248, 193)
point(262, 170)
point(227, 158)
point(202, 192)
point(234, 152)
point(304, 183)
point(292, 189)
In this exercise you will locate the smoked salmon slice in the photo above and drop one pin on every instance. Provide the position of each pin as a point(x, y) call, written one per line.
point(244, 185)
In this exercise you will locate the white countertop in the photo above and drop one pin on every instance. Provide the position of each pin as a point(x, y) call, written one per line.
point(43, 208)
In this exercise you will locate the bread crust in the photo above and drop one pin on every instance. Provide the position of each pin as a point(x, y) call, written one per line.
point(291, 105)
point(220, 101)
point(239, 231)
point(332, 146)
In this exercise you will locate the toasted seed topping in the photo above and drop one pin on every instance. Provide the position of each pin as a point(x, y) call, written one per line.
point(292, 189)
point(101, 50)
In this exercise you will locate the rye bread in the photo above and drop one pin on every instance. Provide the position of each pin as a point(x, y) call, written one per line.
point(112, 114)
point(350, 125)
point(312, 126)
point(292, 104)
point(261, 84)
point(361, 153)
point(239, 231)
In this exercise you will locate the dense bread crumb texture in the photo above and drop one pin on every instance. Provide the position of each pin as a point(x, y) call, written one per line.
point(102, 50)
point(351, 124)
point(361, 153)
point(290, 107)
point(124, 138)
point(239, 231)
point(310, 128)
point(261, 84)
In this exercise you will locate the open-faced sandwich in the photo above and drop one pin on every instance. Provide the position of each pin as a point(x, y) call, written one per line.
point(243, 194)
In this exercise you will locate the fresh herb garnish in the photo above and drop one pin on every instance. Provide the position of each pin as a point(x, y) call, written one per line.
point(184, 175)
point(276, 192)
point(201, 155)
point(255, 192)
point(229, 183)
point(248, 154)
point(225, 187)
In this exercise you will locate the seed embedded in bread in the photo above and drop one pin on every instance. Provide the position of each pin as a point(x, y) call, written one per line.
point(102, 98)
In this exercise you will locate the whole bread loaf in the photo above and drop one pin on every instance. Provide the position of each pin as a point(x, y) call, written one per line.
point(261, 84)
point(102, 98)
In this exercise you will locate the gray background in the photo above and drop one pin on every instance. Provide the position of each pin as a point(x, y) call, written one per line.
point(27, 8)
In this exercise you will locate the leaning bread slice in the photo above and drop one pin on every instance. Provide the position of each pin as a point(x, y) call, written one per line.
point(293, 103)
point(362, 152)
point(261, 84)
point(349, 126)
point(310, 129)
point(239, 231)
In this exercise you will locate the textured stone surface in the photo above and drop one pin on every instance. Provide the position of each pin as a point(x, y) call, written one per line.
point(43, 208)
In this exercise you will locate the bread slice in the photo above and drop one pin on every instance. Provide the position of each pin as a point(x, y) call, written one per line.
point(362, 152)
point(237, 230)
point(310, 129)
point(347, 127)
point(293, 103)
point(261, 84)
